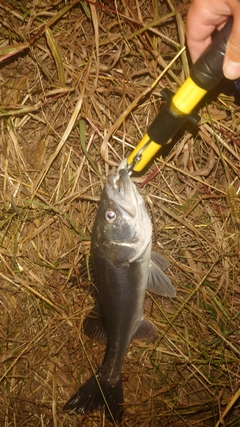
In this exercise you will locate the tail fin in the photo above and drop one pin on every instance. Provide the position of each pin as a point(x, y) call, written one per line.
point(90, 397)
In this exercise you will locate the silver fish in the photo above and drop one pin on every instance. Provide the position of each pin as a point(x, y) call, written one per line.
point(124, 267)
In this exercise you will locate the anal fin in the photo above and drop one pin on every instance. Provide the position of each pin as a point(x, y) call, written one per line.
point(146, 331)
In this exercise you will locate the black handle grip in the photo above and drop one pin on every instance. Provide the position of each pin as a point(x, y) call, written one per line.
point(207, 71)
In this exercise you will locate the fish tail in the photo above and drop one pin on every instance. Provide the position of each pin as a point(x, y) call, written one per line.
point(97, 393)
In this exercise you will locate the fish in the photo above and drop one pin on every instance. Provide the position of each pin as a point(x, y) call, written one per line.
point(124, 267)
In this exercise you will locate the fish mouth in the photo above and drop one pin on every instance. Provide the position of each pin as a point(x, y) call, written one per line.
point(122, 191)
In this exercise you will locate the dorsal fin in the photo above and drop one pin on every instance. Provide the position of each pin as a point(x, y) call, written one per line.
point(93, 327)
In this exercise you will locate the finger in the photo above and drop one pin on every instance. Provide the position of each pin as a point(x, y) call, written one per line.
point(202, 20)
point(231, 65)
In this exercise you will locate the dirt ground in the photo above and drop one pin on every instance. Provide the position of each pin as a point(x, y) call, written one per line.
point(80, 82)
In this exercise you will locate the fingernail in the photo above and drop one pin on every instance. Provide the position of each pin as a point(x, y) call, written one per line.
point(231, 69)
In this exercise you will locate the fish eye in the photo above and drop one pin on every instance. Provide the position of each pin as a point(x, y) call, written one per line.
point(110, 216)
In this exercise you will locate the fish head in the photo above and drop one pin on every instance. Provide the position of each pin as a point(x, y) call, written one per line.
point(122, 229)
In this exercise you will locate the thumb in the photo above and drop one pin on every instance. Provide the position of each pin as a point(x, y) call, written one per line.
point(231, 64)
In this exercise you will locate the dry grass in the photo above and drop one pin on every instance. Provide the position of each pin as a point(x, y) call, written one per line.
point(78, 90)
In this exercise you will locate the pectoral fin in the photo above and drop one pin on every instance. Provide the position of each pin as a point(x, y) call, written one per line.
point(158, 282)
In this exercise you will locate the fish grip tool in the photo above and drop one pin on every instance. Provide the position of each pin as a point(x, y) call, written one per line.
point(205, 74)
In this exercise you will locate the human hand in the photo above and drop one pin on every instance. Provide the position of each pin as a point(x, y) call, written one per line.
point(204, 16)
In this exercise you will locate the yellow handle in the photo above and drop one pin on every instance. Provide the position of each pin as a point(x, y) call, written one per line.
point(187, 97)
point(150, 151)
point(166, 124)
